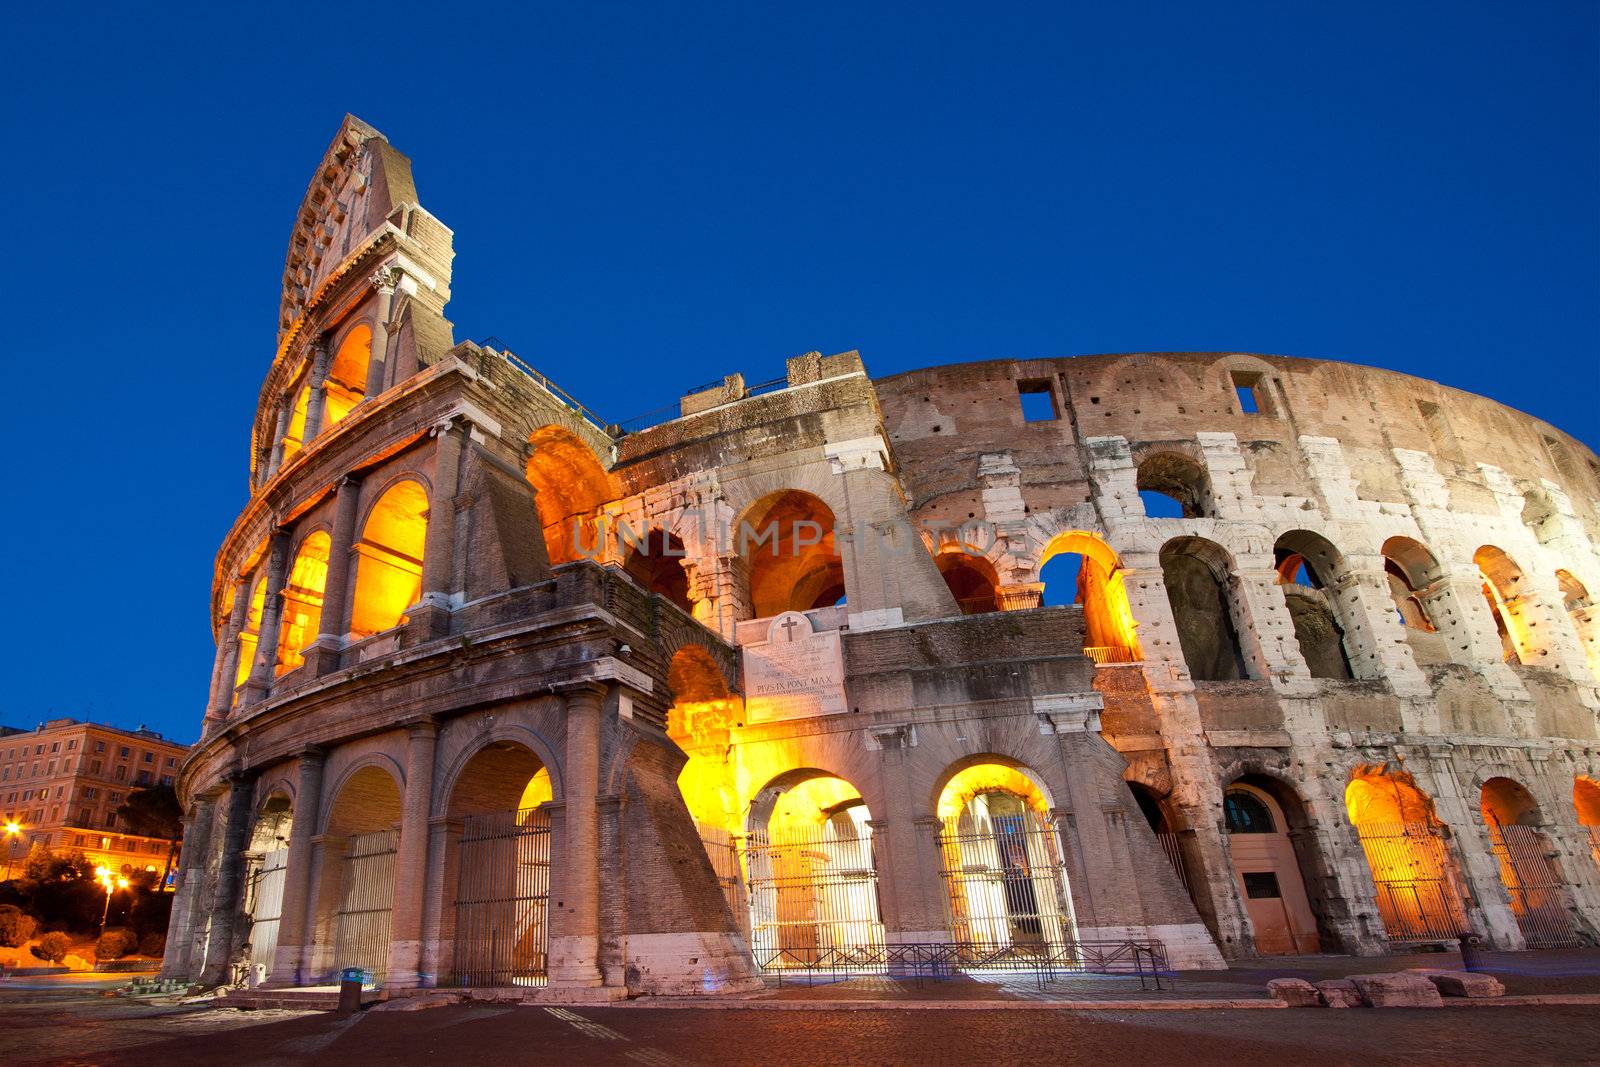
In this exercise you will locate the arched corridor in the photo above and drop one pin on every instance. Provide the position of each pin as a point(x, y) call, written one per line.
point(497, 869)
point(787, 542)
point(355, 905)
point(1004, 873)
point(813, 882)
point(389, 560)
point(1079, 568)
point(1533, 881)
point(1418, 886)
point(266, 866)
point(1199, 580)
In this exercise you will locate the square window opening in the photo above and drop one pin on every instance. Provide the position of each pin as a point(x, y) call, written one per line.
point(1247, 388)
point(1038, 401)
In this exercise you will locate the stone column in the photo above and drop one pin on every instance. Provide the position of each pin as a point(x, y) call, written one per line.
point(411, 859)
point(287, 965)
point(323, 655)
point(281, 428)
point(575, 914)
point(384, 281)
point(227, 901)
point(431, 615)
point(905, 847)
point(181, 932)
point(228, 655)
point(266, 661)
point(316, 406)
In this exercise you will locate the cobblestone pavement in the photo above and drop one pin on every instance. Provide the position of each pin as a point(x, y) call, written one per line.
point(120, 1035)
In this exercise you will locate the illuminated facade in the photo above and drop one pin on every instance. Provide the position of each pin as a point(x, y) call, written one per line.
point(62, 782)
point(505, 695)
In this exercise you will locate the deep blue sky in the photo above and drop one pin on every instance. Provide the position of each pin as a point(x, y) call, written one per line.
point(648, 196)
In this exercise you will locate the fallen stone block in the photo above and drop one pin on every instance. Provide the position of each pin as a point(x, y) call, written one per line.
point(1397, 990)
point(1295, 992)
point(1465, 984)
point(1339, 993)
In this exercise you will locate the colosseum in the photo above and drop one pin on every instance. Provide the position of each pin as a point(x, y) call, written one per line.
point(1197, 655)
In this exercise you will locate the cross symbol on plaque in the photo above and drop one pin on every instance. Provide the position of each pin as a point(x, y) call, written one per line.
point(788, 625)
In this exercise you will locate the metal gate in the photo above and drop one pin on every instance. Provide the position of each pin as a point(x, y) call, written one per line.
point(1005, 879)
point(366, 904)
point(266, 909)
point(1538, 897)
point(502, 899)
point(1418, 895)
point(813, 891)
point(722, 849)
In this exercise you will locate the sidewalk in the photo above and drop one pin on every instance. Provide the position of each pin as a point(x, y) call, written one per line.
point(1565, 976)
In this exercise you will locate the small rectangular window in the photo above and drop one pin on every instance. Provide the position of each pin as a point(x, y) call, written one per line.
point(1261, 885)
point(1038, 401)
point(1248, 388)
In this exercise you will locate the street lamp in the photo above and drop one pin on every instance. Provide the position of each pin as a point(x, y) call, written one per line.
point(13, 831)
point(104, 877)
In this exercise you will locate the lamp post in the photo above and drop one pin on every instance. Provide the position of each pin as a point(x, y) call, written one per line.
point(13, 831)
point(104, 877)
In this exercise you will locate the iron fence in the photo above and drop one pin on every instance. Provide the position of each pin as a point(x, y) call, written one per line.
point(1005, 879)
point(1418, 894)
point(812, 889)
point(1538, 895)
point(1172, 848)
point(265, 907)
point(1145, 959)
point(502, 899)
point(365, 915)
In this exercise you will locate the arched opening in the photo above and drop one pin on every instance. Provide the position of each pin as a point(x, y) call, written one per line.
point(1586, 799)
point(703, 711)
point(497, 869)
point(1153, 807)
point(266, 865)
point(1411, 571)
point(1079, 568)
point(1267, 866)
point(346, 384)
point(1198, 575)
point(971, 578)
point(250, 632)
point(1575, 601)
point(1309, 568)
point(1527, 867)
point(302, 601)
point(656, 562)
point(356, 907)
point(295, 432)
point(1418, 890)
point(1503, 592)
point(571, 486)
point(812, 880)
point(1003, 867)
point(787, 540)
point(1172, 485)
point(389, 560)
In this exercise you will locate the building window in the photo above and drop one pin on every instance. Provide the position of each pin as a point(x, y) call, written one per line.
point(72, 745)
point(55, 746)
point(94, 766)
point(122, 774)
point(166, 779)
point(111, 821)
point(1250, 389)
point(123, 752)
point(143, 778)
point(172, 761)
point(1038, 401)
point(99, 746)
point(90, 792)
point(149, 757)
point(50, 768)
point(1246, 814)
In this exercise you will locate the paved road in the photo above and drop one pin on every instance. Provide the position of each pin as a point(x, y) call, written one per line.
point(118, 1034)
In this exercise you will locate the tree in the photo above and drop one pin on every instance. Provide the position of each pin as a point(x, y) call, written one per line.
point(154, 812)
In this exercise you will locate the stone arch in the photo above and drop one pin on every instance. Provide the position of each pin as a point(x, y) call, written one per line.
point(1416, 881)
point(786, 539)
point(1507, 596)
point(346, 384)
point(1178, 477)
point(388, 571)
point(571, 486)
point(365, 798)
point(971, 578)
point(274, 818)
point(1313, 577)
point(1529, 869)
point(1412, 572)
point(1585, 618)
point(1586, 802)
point(303, 592)
point(1097, 581)
point(250, 632)
point(1198, 575)
point(498, 776)
point(1504, 801)
point(654, 558)
point(505, 734)
point(1275, 861)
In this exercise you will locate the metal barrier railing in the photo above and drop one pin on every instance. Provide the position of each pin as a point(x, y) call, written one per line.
point(1045, 962)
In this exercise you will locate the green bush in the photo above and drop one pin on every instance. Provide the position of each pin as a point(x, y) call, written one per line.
point(16, 926)
point(53, 947)
point(153, 944)
point(115, 943)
